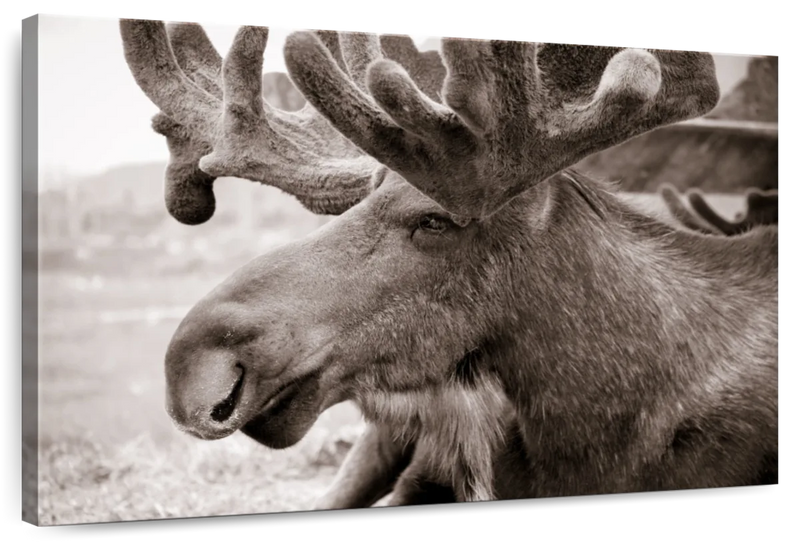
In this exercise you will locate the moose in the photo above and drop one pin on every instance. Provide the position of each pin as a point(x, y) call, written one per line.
point(376, 464)
point(510, 327)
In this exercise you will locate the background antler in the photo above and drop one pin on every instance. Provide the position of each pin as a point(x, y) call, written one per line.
point(681, 213)
point(761, 208)
point(516, 112)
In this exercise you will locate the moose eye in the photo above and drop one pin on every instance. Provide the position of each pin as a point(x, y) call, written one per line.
point(435, 223)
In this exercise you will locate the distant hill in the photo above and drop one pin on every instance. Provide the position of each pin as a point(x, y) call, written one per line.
point(134, 185)
point(754, 98)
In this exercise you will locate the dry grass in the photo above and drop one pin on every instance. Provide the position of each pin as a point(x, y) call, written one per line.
point(83, 481)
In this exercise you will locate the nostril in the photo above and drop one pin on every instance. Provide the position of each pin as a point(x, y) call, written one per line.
point(222, 411)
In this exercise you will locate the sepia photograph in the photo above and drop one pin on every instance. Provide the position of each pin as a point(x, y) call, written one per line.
point(271, 270)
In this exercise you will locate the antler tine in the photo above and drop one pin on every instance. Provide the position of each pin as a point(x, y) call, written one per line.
point(330, 39)
point(153, 65)
point(681, 213)
point(295, 152)
point(425, 68)
point(514, 117)
point(468, 90)
point(761, 208)
point(196, 55)
point(241, 72)
point(188, 190)
point(389, 134)
point(359, 50)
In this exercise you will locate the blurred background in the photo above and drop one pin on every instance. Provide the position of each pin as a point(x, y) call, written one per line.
point(116, 274)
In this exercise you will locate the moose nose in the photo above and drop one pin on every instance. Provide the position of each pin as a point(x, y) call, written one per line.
point(203, 395)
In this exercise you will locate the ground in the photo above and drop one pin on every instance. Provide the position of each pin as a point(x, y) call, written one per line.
point(107, 449)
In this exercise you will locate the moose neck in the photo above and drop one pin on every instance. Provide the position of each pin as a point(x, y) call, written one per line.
point(614, 314)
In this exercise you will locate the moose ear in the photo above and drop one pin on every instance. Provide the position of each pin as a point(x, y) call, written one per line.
point(378, 176)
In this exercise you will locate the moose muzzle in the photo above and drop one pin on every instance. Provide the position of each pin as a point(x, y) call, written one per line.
point(206, 402)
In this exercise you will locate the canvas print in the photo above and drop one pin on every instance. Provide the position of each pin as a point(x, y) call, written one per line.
point(272, 270)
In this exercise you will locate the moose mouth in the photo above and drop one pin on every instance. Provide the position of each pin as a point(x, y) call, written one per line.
point(288, 413)
point(280, 400)
point(277, 402)
point(278, 422)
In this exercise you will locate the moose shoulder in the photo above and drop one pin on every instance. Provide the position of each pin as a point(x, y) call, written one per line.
point(532, 333)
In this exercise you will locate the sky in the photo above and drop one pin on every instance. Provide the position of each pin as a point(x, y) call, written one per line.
point(93, 116)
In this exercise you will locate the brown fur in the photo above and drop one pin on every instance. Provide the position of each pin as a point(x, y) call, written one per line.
point(633, 356)
point(418, 481)
point(442, 422)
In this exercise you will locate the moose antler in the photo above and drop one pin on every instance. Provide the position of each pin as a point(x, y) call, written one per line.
point(217, 123)
point(425, 68)
point(761, 208)
point(187, 188)
point(516, 112)
point(681, 213)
